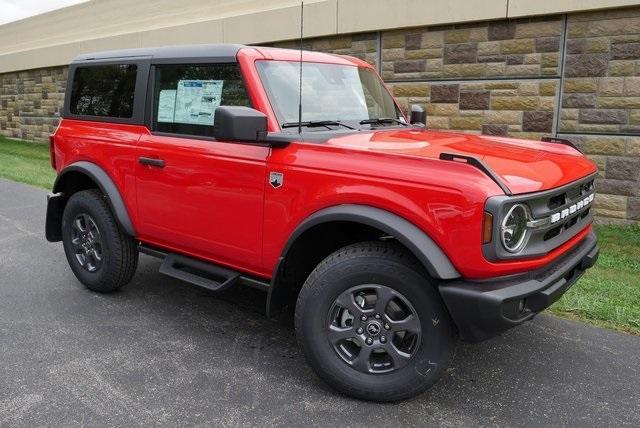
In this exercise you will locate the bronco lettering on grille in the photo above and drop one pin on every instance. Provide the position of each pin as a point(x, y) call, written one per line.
point(566, 212)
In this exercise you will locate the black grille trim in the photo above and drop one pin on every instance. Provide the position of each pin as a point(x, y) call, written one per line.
point(546, 238)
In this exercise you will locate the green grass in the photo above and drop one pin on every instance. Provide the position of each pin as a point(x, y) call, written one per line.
point(608, 295)
point(26, 162)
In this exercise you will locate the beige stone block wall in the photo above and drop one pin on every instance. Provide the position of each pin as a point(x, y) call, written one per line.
point(523, 109)
point(618, 183)
point(601, 90)
point(495, 49)
point(508, 78)
point(31, 101)
point(362, 45)
point(500, 77)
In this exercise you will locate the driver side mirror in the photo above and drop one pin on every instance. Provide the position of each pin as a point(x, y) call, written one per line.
point(418, 116)
point(237, 123)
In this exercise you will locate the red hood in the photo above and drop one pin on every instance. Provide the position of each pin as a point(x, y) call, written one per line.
point(524, 165)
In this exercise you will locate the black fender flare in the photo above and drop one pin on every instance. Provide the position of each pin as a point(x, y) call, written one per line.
point(430, 255)
point(106, 186)
point(434, 260)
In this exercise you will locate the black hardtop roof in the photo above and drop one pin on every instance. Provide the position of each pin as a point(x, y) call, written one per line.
point(169, 53)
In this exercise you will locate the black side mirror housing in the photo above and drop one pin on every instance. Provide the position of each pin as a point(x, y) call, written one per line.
point(237, 123)
point(418, 115)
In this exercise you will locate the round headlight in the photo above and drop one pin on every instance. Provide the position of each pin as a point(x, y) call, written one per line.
point(514, 231)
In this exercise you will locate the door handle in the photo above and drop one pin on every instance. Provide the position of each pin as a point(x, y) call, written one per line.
point(152, 162)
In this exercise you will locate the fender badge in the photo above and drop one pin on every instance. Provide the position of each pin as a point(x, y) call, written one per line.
point(276, 179)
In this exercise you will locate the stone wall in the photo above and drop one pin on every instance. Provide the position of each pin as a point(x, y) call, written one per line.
point(521, 108)
point(31, 101)
point(498, 49)
point(601, 94)
point(576, 76)
point(602, 73)
point(362, 45)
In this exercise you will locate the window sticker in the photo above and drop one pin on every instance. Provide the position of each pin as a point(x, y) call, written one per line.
point(196, 101)
point(167, 105)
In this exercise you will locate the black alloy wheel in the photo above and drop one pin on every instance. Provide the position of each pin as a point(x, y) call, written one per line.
point(373, 328)
point(372, 324)
point(87, 242)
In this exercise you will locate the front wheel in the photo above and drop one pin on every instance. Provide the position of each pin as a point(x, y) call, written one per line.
point(372, 325)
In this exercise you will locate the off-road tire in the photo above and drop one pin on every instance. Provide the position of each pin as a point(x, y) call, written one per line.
point(119, 251)
point(374, 263)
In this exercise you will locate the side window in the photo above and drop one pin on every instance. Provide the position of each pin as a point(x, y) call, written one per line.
point(103, 90)
point(186, 96)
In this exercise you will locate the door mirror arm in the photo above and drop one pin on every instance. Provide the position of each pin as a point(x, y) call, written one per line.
point(278, 140)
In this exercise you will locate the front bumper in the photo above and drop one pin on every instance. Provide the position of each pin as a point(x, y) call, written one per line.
point(482, 309)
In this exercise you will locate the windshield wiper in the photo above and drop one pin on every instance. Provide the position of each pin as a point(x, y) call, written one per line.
point(382, 121)
point(315, 124)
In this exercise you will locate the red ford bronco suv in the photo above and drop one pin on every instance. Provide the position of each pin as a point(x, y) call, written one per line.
point(387, 239)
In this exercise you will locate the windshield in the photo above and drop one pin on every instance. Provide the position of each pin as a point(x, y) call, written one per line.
point(330, 92)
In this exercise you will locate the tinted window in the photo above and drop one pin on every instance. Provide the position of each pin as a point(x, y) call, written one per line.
point(186, 97)
point(105, 90)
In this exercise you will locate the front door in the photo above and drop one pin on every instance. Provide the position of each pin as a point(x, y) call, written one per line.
point(197, 195)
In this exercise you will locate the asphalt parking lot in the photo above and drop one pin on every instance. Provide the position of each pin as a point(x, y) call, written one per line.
point(160, 352)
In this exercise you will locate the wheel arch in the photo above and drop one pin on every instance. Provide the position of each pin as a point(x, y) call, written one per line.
point(80, 176)
point(368, 220)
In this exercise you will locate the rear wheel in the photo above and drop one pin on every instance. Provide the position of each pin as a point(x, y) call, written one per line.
point(372, 325)
point(100, 254)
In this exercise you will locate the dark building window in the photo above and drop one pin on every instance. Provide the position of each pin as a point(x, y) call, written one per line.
point(105, 90)
point(186, 96)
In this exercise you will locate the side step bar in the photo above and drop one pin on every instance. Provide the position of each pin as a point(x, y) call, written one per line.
point(200, 273)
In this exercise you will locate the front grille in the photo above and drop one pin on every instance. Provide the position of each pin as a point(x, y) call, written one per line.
point(566, 226)
point(574, 192)
point(567, 198)
point(567, 209)
point(557, 216)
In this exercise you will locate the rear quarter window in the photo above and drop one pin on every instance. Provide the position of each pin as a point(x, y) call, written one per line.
point(104, 91)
